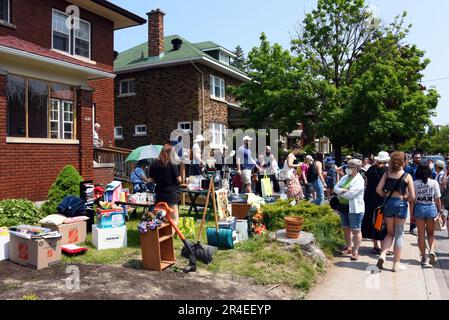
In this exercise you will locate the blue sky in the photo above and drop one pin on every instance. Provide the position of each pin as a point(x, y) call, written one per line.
point(234, 22)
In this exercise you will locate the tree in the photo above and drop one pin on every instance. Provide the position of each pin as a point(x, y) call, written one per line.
point(240, 61)
point(280, 92)
point(367, 78)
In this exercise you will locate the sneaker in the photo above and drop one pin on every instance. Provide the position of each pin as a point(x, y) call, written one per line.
point(398, 267)
point(432, 258)
point(423, 261)
point(380, 262)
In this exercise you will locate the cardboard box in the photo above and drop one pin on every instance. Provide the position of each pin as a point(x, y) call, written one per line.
point(37, 253)
point(112, 218)
point(71, 233)
point(110, 238)
point(4, 244)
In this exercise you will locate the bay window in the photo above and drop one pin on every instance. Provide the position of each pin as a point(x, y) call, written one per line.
point(39, 109)
point(75, 42)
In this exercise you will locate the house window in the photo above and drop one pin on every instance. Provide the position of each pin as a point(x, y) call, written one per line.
point(75, 42)
point(224, 57)
point(118, 133)
point(4, 10)
point(127, 87)
point(38, 109)
point(217, 88)
point(185, 126)
point(218, 134)
point(141, 130)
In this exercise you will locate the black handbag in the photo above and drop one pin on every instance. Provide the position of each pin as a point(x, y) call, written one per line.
point(336, 205)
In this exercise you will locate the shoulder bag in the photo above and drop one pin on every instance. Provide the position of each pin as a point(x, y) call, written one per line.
point(379, 221)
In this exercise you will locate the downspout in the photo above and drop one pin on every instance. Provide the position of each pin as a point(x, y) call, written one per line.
point(202, 98)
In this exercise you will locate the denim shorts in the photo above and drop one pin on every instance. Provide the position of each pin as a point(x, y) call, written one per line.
point(425, 211)
point(351, 220)
point(396, 208)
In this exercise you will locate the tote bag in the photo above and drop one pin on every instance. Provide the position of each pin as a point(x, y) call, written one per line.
point(267, 189)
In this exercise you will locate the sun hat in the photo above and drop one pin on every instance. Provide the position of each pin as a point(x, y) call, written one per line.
point(247, 138)
point(309, 157)
point(439, 163)
point(356, 162)
point(199, 138)
point(382, 157)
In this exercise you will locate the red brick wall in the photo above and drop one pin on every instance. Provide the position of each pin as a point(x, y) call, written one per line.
point(164, 97)
point(103, 175)
point(33, 20)
point(103, 98)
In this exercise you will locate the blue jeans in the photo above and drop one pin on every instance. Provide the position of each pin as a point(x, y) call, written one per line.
point(351, 220)
point(425, 211)
point(396, 208)
point(319, 189)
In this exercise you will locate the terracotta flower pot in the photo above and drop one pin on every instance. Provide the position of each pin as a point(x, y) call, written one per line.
point(293, 226)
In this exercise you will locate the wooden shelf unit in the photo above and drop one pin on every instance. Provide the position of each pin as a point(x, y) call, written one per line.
point(158, 251)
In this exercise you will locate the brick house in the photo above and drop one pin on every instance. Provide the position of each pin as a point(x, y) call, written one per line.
point(55, 82)
point(168, 83)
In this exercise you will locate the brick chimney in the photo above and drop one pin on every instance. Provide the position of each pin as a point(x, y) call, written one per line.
point(155, 33)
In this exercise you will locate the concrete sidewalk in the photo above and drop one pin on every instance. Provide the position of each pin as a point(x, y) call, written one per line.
point(361, 280)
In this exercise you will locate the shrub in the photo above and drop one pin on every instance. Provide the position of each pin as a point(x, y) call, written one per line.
point(19, 211)
point(319, 220)
point(66, 184)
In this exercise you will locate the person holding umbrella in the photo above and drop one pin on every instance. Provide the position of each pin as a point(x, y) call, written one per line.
point(166, 175)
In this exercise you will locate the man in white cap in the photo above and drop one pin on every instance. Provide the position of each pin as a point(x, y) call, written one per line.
point(246, 163)
point(196, 155)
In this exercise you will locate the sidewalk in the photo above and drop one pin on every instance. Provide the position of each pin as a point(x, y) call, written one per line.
point(348, 280)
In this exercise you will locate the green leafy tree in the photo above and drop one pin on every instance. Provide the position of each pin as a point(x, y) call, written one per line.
point(280, 92)
point(240, 61)
point(67, 183)
point(367, 77)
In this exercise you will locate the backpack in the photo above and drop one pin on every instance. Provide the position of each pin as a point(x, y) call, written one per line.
point(312, 173)
point(71, 206)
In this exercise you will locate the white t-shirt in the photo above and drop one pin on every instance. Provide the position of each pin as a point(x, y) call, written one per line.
point(196, 154)
point(426, 193)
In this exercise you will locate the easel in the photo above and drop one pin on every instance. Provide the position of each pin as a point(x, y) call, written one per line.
point(211, 192)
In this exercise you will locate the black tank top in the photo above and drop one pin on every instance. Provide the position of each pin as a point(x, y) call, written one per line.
point(391, 184)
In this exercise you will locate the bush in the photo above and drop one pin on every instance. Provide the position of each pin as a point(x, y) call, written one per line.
point(66, 184)
point(319, 220)
point(15, 212)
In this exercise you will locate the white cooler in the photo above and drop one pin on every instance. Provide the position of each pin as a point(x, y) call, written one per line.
point(4, 244)
point(112, 238)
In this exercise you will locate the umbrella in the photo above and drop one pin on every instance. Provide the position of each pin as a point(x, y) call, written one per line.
point(145, 152)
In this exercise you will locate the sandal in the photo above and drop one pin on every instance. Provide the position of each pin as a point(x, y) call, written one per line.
point(390, 253)
point(355, 257)
point(346, 251)
point(376, 251)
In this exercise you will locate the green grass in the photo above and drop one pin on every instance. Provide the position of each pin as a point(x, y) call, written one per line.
point(262, 260)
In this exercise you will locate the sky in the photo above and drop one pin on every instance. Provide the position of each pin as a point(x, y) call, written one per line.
point(240, 22)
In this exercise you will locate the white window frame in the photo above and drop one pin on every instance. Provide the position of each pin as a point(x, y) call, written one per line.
point(222, 85)
point(140, 134)
point(180, 124)
point(72, 37)
point(116, 135)
point(61, 119)
point(223, 57)
point(121, 94)
point(217, 130)
point(8, 12)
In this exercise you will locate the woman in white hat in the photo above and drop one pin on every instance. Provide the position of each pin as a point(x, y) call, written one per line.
point(373, 200)
point(196, 155)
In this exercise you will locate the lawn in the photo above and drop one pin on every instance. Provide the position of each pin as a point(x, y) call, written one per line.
point(262, 260)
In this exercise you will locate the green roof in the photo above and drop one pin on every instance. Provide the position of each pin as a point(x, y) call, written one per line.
point(137, 57)
point(206, 45)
